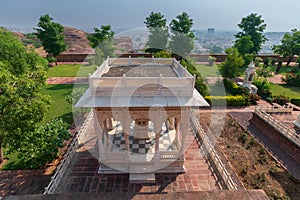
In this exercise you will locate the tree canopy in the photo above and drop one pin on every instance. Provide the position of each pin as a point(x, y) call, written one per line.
point(22, 76)
point(102, 41)
point(231, 67)
point(52, 35)
point(253, 26)
point(290, 45)
point(182, 36)
point(159, 33)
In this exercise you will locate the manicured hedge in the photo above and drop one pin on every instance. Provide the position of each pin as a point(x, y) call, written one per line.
point(227, 100)
point(234, 89)
point(296, 101)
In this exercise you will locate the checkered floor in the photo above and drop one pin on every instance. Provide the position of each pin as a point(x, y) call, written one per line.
point(141, 146)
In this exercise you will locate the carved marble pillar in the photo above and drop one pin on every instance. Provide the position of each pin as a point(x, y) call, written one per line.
point(172, 123)
point(157, 131)
point(126, 132)
point(110, 123)
point(185, 123)
point(177, 129)
point(105, 134)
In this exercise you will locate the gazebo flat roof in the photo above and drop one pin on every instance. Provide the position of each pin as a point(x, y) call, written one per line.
point(148, 70)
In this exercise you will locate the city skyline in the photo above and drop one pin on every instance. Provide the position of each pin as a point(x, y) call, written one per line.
point(122, 14)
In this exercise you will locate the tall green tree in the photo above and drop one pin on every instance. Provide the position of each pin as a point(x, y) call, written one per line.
point(182, 36)
point(253, 26)
point(52, 35)
point(290, 45)
point(22, 75)
point(159, 33)
point(231, 67)
point(102, 41)
point(245, 45)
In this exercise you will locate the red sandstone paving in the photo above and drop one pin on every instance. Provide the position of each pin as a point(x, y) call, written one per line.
point(83, 177)
point(67, 80)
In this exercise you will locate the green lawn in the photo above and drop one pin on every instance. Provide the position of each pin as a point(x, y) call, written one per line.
point(208, 71)
point(59, 106)
point(70, 70)
point(288, 91)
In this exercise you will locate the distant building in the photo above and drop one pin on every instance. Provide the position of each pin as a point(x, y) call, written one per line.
point(210, 30)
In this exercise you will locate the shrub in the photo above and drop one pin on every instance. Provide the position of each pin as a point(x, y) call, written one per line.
point(296, 101)
point(229, 100)
point(273, 61)
point(211, 60)
point(292, 79)
point(267, 62)
point(234, 89)
point(200, 84)
point(162, 54)
point(257, 61)
point(263, 87)
point(298, 61)
point(280, 99)
point(253, 98)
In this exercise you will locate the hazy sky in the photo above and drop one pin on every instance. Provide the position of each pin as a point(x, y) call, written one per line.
point(279, 15)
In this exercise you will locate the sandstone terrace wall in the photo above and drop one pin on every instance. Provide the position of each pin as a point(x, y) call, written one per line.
point(284, 143)
point(79, 57)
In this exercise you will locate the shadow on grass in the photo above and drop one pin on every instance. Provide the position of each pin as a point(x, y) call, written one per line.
point(60, 87)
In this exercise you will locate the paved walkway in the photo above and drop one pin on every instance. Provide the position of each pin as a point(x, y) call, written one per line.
point(67, 80)
point(82, 177)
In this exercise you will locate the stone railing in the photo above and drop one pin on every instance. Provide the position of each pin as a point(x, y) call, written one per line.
point(64, 163)
point(211, 155)
point(276, 124)
point(276, 109)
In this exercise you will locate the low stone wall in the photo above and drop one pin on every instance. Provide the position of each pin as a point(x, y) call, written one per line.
point(284, 143)
point(196, 57)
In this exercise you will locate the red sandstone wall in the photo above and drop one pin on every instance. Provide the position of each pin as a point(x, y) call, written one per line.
point(196, 57)
point(288, 146)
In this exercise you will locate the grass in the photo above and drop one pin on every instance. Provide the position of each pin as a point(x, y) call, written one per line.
point(59, 106)
point(208, 71)
point(289, 91)
point(69, 70)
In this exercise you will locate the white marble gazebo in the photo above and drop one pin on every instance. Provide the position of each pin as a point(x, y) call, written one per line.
point(141, 115)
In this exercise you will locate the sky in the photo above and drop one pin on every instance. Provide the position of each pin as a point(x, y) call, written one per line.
point(279, 15)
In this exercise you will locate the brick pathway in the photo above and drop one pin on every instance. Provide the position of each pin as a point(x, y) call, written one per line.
point(67, 80)
point(82, 177)
point(276, 79)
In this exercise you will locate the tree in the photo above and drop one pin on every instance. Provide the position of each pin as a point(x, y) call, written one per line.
point(182, 37)
point(102, 40)
point(230, 68)
point(253, 26)
point(41, 145)
point(244, 45)
point(290, 46)
point(22, 75)
point(52, 36)
point(159, 34)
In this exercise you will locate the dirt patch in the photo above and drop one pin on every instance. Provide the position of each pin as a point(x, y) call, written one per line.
point(256, 168)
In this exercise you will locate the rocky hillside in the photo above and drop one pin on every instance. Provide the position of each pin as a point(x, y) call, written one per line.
point(77, 42)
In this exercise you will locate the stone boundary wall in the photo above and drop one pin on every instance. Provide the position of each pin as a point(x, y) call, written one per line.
point(64, 57)
point(284, 143)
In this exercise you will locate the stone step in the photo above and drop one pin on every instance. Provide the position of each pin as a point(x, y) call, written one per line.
point(142, 178)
